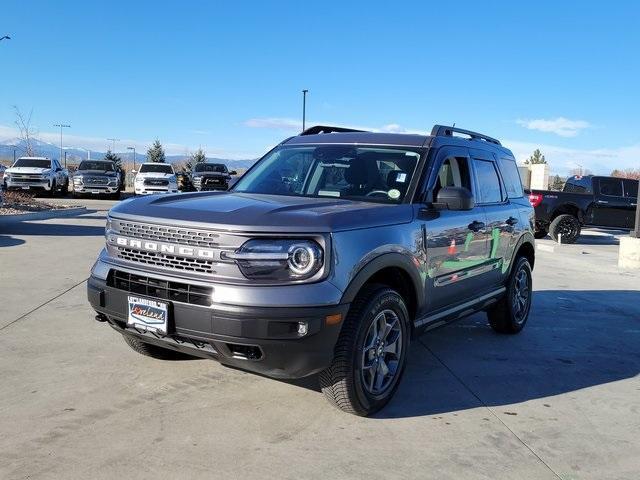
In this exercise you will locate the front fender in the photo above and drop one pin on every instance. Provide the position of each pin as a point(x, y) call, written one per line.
point(387, 260)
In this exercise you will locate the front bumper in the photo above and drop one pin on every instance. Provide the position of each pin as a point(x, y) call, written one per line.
point(149, 190)
point(95, 189)
point(28, 184)
point(255, 338)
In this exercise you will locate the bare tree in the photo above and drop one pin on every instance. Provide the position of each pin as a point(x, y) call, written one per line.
point(26, 131)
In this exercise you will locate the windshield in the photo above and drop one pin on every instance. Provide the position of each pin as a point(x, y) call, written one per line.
point(210, 167)
point(32, 162)
point(103, 166)
point(156, 168)
point(361, 173)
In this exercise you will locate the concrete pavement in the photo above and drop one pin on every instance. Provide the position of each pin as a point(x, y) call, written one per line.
point(560, 400)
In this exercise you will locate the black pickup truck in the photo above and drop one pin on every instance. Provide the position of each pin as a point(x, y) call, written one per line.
point(605, 202)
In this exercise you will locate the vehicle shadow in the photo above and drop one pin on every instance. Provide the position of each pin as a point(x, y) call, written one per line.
point(51, 229)
point(573, 340)
point(8, 241)
point(599, 237)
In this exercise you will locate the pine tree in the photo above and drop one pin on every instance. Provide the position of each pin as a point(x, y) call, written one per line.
point(156, 153)
point(557, 183)
point(112, 157)
point(536, 158)
point(198, 157)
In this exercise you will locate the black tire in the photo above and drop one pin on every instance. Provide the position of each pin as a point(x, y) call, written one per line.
point(52, 192)
point(566, 225)
point(343, 382)
point(65, 190)
point(115, 196)
point(510, 314)
point(153, 351)
point(540, 234)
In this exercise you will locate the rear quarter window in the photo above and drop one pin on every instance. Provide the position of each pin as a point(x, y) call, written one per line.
point(511, 178)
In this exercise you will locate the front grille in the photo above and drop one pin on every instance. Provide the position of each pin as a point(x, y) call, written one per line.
point(95, 181)
point(213, 181)
point(162, 289)
point(156, 182)
point(198, 265)
point(184, 236)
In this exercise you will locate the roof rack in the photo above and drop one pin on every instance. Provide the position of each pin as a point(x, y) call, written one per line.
point(443, 131)
point(328, 129)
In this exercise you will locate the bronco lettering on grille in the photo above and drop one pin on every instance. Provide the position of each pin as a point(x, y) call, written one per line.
point(181, 250)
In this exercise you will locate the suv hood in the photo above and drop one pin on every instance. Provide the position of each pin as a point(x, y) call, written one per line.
point(261, 213)
point(155, 175)
point(96, 173)
point(27, 170)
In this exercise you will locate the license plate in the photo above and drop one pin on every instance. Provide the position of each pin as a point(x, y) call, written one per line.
point(148, 314)
point(96, 191)
point(25, 188)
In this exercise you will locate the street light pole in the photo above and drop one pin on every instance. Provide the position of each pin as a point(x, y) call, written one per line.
point(61, 125)
point(304, 109)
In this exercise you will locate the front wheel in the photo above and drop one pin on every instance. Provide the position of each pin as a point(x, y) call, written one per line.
point(371, 352)
point(510, 314)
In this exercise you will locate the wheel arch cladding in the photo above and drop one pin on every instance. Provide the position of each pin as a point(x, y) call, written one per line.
point(394, 270)
point(525, 248)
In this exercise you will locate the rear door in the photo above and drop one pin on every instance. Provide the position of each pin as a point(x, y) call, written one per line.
point(611, 208)
point(502, 217)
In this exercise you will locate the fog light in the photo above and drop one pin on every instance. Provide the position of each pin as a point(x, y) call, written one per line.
point(303, 328)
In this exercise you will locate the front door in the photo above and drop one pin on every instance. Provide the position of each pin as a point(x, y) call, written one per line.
point(456, 241)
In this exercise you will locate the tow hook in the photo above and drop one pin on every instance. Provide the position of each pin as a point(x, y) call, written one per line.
point(101, 317)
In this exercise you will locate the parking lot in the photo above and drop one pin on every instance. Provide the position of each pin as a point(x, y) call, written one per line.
point(560, 400)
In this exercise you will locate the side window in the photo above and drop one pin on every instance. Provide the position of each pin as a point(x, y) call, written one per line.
point(488, 182)
point(630, 188)
point(454, 172)
point(511, 177)
point(611, 187)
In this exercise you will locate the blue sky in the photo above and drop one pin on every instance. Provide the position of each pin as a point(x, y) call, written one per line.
point(227, 75)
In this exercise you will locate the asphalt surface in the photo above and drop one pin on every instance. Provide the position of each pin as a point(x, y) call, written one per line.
point(560, 400)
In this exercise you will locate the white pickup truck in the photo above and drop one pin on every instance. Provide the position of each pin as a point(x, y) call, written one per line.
point(37, 173)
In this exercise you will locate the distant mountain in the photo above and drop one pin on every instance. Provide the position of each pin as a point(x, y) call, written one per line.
point(77, 154)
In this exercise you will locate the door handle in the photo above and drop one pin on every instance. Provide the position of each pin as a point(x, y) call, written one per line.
point(602, 202)
point(511, 221)
point(476, 226)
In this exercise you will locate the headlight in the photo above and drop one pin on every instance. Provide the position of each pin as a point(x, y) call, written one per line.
point(77, 180)
point(139, 180)
point(278, 259)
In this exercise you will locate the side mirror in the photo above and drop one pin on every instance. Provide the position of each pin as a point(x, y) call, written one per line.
point(233, 172)
point(133, 172)
point(455, 198)
point(58, 169)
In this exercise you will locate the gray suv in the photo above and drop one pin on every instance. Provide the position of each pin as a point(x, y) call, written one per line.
point(328, 256)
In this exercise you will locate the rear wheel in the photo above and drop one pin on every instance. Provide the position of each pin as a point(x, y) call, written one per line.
point(153, 351)
point(566, 228)
point(52, 192)
point(370, 354)
point(510, 314)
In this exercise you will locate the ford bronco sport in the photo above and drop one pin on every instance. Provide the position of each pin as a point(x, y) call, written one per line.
point(328, 256)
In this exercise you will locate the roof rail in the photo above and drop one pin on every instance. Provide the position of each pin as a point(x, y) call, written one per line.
point(328, 129)
point(443, 131)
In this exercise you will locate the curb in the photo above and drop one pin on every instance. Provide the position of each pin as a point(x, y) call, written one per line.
point(42, 215)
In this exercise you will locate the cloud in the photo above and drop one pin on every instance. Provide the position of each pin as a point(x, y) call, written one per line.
point(561, 160)
point(560, 126)
point(293, 125)
point(274, 123)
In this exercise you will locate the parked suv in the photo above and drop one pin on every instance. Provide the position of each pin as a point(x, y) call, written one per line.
point(604, 202)
point(37, 173)
point(328, 256)
point(96, 177)
point(155, 178)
